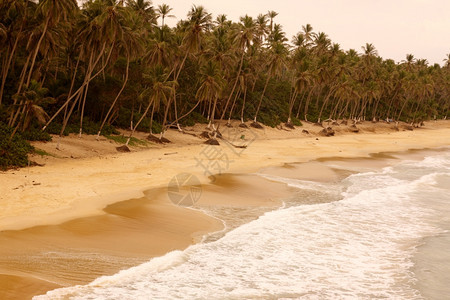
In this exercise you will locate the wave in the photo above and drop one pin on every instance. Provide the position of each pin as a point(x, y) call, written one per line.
point(360, 247)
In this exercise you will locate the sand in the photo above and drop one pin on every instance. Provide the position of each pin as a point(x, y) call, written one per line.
point(72, 219)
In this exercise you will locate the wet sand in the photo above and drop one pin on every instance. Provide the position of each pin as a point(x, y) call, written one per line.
point(127, 234)
point(83, 232)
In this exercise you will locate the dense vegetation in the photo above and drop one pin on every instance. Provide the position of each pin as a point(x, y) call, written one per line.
point(69, 69)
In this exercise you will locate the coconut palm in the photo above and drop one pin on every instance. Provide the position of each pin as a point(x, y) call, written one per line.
point(159, 89)
point(32, 99)
point(211, 84)
point(242, 38)
point(276, 57)
point(198, 24)
point(163, 12)
point(54, 11)
point(271, 15)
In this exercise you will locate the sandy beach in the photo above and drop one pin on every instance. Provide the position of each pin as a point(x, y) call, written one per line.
point(91, 211)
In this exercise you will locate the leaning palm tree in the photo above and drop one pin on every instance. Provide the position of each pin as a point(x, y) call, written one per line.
point(243, 37)
point(131, 46)
point(276, 57)
point(199, 22)
point(32, 98)
point(54, 11)
point(210, 88)
point(159, 89)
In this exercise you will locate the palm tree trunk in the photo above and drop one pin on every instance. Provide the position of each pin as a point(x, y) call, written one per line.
point(38, 46)
point(163, 130)
point(300, 105)
point(234, 85)
point(262, 96)
point(80, 89)
point(243, 104)
point(117, 97)
point(8, 64)
point(139, 122)
point(238, 94)
point(66, 120)
point(90, 70)
point(291, 105)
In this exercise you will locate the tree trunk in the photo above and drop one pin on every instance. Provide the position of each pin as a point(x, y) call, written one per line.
point(8, 64)
point(262, 96)
point(117, 97)
point(234, 85)
point(138, 122)
point(33, 61)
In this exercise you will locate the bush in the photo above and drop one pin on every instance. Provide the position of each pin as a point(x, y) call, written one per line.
point(36, 134)
point(13, 152)
point(296, 121)
point(194, 118)
point(89, 127)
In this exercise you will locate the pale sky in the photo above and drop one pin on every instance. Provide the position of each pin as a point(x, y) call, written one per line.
point(395, 27)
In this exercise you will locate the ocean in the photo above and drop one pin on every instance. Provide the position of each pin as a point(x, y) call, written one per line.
point(379, 233)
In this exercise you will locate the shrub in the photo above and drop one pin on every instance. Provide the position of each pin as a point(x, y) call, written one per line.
point(36, 134)
point(13, 152)
point(296, 121)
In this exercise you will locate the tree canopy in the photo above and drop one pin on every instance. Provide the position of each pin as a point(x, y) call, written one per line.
point(108, 63)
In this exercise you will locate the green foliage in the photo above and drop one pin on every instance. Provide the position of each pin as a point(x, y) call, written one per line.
point(121, 139)
point(13, 152)
point(296, 121)
point(89, 127)
point(36, 134)
point(42, 152)
point(193, 119)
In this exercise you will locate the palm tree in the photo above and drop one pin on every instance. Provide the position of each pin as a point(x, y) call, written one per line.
point(199, 22)
point(15, 13)
point(54, 11)
point(271, 14)
point(211, 85)
point(276, 57)
point(144, 9)
point(242, 39)
point(446, 60)
point(163, 11)
point(32, 99)
point(159, 89)
point(131, 45)
point(308, 34)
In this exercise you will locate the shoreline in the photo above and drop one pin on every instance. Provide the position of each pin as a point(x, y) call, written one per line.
point(67, 189)
point(241, 168)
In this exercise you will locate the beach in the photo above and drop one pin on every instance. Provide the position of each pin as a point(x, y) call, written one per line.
point(91, 211)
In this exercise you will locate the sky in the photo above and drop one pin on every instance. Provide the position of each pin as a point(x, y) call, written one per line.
point(395, 27)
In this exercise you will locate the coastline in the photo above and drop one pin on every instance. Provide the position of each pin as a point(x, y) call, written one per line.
point(270, 154)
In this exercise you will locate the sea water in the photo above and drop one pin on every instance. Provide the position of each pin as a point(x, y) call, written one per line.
point(382, 234)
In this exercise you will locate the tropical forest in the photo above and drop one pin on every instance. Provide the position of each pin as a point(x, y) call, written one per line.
point(107, 65)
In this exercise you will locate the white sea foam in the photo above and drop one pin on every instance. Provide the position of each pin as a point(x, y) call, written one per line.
point(359, 247)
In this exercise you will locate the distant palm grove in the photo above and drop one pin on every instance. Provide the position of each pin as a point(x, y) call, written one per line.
point(117, 64)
